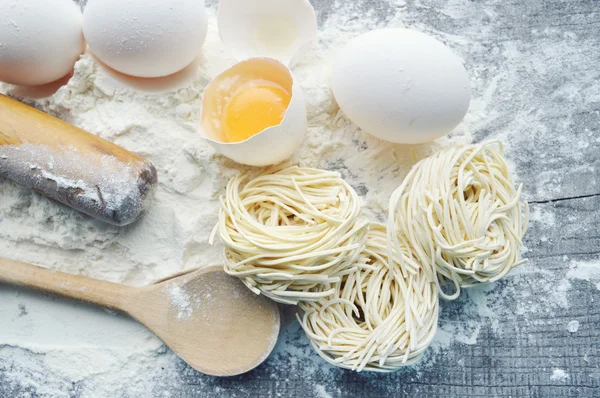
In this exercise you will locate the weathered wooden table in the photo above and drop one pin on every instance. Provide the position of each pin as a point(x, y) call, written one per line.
point(537, 332)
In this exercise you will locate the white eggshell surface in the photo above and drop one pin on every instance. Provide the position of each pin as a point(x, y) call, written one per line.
point(401, 85)
point(145, 38)
point(279, 29)
point(40, 40)
point(274, 144)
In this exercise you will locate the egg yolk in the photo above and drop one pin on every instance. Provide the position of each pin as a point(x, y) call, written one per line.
point(253, 109)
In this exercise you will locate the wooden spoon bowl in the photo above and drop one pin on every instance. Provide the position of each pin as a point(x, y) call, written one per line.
point(208, 318)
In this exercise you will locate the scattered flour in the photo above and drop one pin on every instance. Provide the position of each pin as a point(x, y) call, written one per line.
point(322, 392)
point(559, 375)
point(180, 300)
point(542, 216)
point(587, 271)
point(573, 326)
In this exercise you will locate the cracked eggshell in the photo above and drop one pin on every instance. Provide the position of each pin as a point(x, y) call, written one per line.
point(277, 29)
point(274, 144)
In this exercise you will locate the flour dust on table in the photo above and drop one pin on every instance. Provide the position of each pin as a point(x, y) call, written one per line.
point(54, 347)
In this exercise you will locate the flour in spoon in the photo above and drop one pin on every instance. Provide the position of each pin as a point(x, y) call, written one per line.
point(181, 302)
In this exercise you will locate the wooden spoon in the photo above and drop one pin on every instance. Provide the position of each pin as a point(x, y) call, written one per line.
point(208, 318)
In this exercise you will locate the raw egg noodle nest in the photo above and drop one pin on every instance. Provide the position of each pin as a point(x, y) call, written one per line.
point(291, 232)
point(458, 212)
point(382, 316)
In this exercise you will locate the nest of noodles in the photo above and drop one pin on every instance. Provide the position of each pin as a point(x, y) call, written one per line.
point(381, 317)
point(291, 232)
point(459, 212)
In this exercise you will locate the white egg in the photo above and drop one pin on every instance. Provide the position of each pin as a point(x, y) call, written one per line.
point(273, 144)
point(145, 38)
point(401, 85)
point(40, 40)
point(277, 29)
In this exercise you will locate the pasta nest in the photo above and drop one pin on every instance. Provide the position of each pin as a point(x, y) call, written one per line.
point(382, 316)
point(458, 212)
point(291, 232)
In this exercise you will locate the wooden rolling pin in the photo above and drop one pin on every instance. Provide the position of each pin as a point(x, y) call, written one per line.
point(72, 166)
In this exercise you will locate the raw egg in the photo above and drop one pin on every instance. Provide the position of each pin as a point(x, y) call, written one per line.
point(401, 85)
point(277, 29)
point(145, 38)
point(253, 112)
point(40, 40)
point(254, 107)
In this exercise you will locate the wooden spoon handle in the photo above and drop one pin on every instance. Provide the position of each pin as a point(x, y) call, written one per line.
point(105, 294)
point(71, 165)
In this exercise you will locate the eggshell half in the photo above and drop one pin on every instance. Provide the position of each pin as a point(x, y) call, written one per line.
point(40, 40)
point(274, 144)
point(401, 85)
point(277, 29)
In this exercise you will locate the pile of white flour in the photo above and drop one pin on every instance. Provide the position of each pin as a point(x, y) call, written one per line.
point(59, 348)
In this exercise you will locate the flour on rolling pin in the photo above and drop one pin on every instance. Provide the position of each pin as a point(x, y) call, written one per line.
point(100, 186)
point(70, 165)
